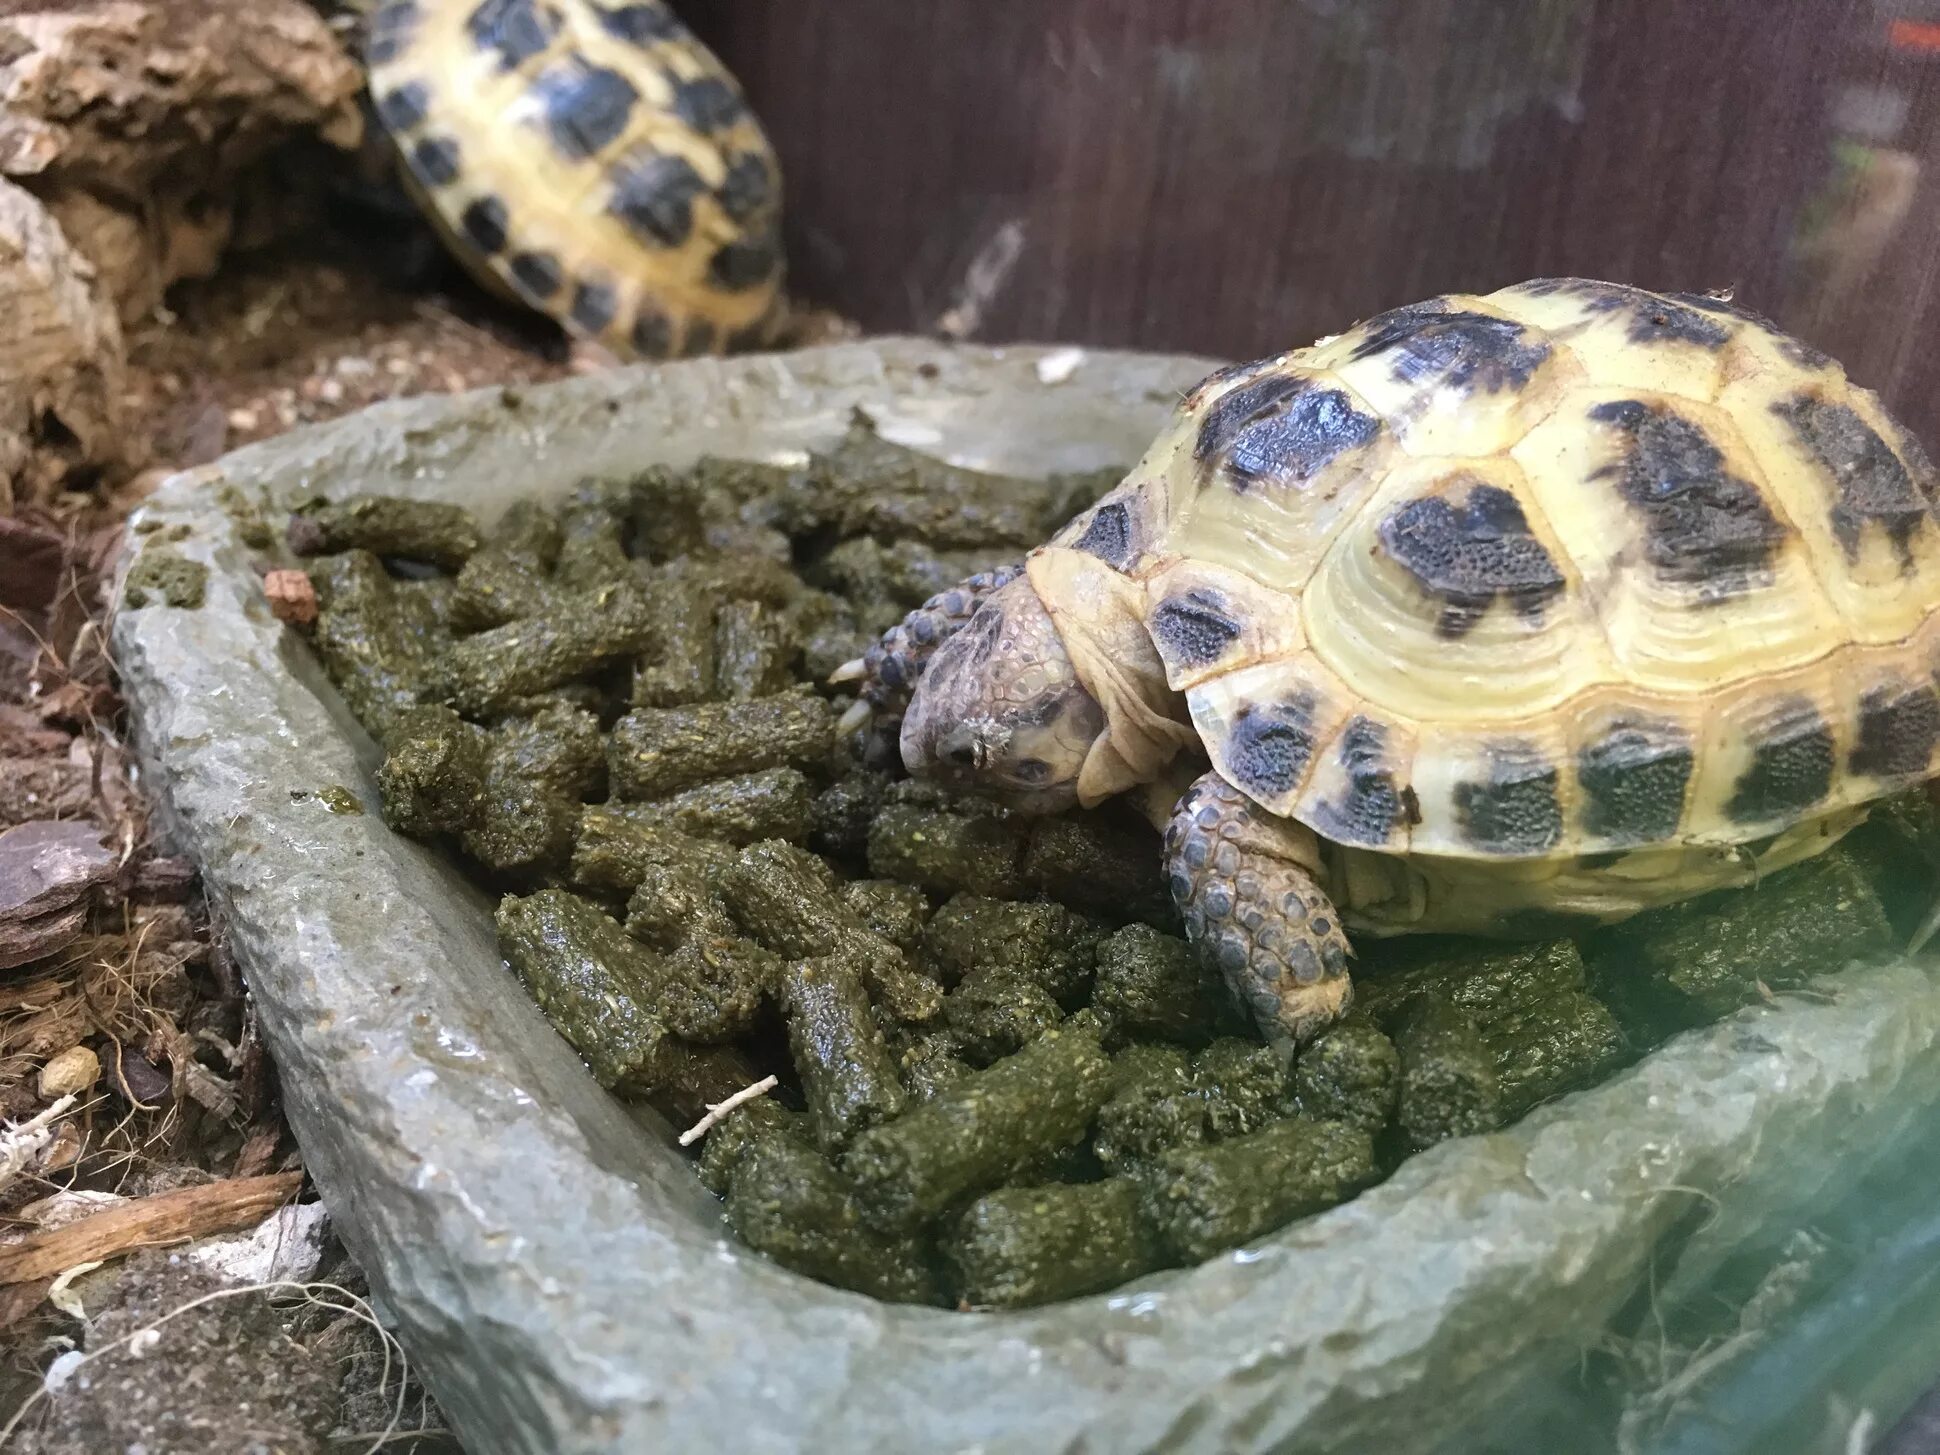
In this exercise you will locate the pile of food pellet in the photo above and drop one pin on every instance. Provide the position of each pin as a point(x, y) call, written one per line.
point(1003, 1078)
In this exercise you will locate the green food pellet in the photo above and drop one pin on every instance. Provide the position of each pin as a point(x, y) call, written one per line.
point(993, 1015)
point(897, 912)
point(972, 1136)
point(432, 779)
point(657, 751)
point(1153, 1108)
point(1022, 1246)
point(486, 673)
point(1205, 1200)
point(847, 1072)
point(1350, 1072)
point(1242, 1084)
point(772, 804)
point(1449, 1085)
point(613, 849)
point(167, 577)
point(1045, 944)
point(729, 1139)
point(975, 853)
point(785, 1200)
point(1152, 984)
point(412, 530)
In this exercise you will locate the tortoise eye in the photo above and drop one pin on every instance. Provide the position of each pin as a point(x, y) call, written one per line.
point(1031, 770)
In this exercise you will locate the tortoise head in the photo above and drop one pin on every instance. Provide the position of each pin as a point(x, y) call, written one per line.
point(1000, 710)
point(1050, 695)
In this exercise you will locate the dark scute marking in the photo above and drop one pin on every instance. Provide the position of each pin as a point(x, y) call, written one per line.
point(391, 30)
point(1431, 343)
point(517, 30)
point(1791, 765)
point(1270, 746)
point(593, 306)
point(1705, 527)
point(747, 186)
point(654, 196)
point(746, 262)
point(639, 23)
point(435, 159)
point(537, 273)
point(1634, 779)
point(1288, 432)
point(1515, 809)
point(1368, 809)
point(1218, 378)
point(652, 334)
point(708, 104)
point(483, 223)
point(402, 107)
point(1871, 483)
point(702, 336)
point(1239, 407)
point(1791, 346)
point(1898, 728)
point(1467, 555)
point(1193, 629)
point(586, 107)
point(1651, 317)
point(1108, 536)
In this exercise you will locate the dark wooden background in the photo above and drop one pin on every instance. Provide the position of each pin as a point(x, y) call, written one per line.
point(1239, 176)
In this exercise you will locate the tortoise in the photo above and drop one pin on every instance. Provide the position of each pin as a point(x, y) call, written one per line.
point(590, 158)
point(1500, 615)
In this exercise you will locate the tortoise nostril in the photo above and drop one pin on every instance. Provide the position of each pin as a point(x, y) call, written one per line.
point(958, 746)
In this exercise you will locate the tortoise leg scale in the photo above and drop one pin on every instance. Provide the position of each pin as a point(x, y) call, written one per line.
point(1254, 912)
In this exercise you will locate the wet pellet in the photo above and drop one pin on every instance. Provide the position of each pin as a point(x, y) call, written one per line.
point(948, 853)
point(493, 669)
point(655, 752)
point(432, 779)
point(1350, 1072)
point(411, 530)
point(587, 991)
point(772, 804)
point(843, 812)
point(993, 1015)
point(897, 912)
point(1152, 984)
point(1153, 1108)
point(613, 849)
point(1045, 944)
point(1449, 1086)
point(377, 640)
point(1690, 963)
point(847, 1073)
point(508, 577)
point(730, 1138)
point(1204, 1200)
point(788, 899)
point(932, 1063)
point(975, 1134)
point(1103, 862)
point(1022, 1246)
point(750, 652)
point(676, 667)
point(1242, 1084)
point(787, 1201)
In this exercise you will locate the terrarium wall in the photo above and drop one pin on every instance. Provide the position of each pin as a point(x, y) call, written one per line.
point(1239, 176)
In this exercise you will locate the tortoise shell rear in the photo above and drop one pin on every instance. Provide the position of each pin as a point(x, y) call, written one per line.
point(1571, 568)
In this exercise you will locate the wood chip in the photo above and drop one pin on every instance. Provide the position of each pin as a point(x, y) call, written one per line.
point(171, 1217)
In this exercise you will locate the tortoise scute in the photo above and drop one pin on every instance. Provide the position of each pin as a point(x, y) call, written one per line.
point(593, 159)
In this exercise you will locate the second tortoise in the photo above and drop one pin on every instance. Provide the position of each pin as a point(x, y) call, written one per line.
point(1499, 615)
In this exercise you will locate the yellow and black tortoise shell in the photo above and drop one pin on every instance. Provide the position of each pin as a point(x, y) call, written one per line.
point(594, 159)
point(1566, 569)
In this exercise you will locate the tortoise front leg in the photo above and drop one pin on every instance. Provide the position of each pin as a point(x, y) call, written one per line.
point(887, 672)
point(1252, 907)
